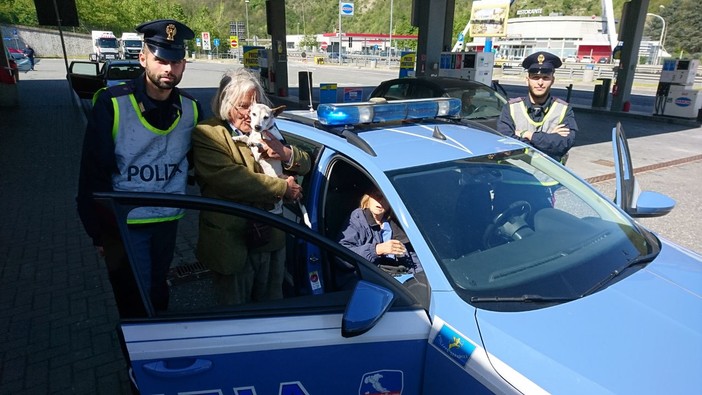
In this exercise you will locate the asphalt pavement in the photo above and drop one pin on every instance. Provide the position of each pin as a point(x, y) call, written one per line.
point(58, 316)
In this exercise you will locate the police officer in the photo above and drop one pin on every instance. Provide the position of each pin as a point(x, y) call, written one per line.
point(138, 139)
point(539, 119)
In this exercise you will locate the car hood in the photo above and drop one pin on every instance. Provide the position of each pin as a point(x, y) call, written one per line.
point(641, 335)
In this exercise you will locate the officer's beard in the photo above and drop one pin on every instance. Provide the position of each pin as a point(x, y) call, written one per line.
point(162, 84)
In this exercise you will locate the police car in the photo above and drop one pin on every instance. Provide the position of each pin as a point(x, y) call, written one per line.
point(533, 282)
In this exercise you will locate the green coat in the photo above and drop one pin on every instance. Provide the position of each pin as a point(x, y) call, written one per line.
point(226, 170)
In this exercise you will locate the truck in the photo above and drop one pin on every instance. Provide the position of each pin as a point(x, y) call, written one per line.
point(104, 46)
point(130, 45)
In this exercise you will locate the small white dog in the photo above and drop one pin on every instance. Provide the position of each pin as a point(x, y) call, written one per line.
point(263, 118)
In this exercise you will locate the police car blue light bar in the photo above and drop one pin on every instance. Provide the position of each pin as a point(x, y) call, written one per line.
point(400, 110)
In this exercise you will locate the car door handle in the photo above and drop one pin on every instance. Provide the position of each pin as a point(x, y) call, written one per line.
point(161, 369)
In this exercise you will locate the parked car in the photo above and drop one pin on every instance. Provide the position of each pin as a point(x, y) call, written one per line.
point(533, 282)
point(481, 103)
point(335, 55)
point(22, 61)
point(603, 60)
point(88, 77)
point(570, 59)
point(587, 59)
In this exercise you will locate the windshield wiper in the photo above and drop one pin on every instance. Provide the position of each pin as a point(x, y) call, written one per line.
point(521, 299)
point(640, 260)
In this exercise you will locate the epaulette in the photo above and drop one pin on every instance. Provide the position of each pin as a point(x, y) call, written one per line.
point(516, 100)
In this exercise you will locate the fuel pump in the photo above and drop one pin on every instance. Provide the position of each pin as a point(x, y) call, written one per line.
point(473, 66)
point(675, 95)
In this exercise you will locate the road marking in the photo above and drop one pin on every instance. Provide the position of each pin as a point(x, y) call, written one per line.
point(655, 166)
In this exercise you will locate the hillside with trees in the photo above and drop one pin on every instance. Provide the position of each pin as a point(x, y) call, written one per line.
point(683, 17)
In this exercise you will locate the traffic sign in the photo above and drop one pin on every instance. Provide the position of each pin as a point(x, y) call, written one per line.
point(237, 28)
point(233, 41)
point(215, 41)
point(346, 8)
point(206, 41)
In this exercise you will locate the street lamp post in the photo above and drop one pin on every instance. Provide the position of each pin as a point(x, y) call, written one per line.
point(390, 38)
point(246, 3)
point(660, 40)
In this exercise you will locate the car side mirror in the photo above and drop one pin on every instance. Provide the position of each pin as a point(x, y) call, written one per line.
point(629, 197)
point(368, 304)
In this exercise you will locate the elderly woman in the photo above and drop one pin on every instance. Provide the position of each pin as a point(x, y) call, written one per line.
point(245, 268)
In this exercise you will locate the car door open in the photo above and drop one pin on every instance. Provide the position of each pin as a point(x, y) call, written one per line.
point(85, 78)
point(303, 342)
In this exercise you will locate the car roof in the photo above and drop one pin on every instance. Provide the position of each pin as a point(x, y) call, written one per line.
point(441, 82)
point(399, 145)
point(120, 62)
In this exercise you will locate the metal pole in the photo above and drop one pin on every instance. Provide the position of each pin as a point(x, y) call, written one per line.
point(63, 44)
point(339, 32)
point(304, 25)
point(660, 40)
point(390, 39)
point(246, 2)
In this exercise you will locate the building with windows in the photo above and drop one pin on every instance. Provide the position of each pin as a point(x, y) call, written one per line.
point(570, 37)
point(566, 36)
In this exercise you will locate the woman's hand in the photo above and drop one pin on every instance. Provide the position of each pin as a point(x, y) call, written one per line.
point(294, 190)
point(273, 148)
point(394, 247)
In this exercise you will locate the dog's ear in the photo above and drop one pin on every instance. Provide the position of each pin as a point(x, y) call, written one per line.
point(278, 110)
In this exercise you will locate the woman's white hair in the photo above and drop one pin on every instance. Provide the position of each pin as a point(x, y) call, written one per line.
point(233, 86)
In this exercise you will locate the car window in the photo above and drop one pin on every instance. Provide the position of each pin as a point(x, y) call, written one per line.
point(194, 271)
point(516, 224)
point(397, 92)
point(483, 101)
point(346, 186)
point(84, 68)
point(421, 91)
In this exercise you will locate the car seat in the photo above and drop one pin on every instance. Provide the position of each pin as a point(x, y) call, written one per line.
point(473, 215)
point(114, 74)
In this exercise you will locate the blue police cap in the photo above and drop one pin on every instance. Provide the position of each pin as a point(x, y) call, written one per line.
point(165, 38)
point(541, 63)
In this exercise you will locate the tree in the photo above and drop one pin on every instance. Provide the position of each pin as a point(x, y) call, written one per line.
point(309, 42)
point(683, 25)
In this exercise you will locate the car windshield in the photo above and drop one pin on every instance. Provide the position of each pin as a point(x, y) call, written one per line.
point(107, 43)
point(478, 102)
point(513, 224)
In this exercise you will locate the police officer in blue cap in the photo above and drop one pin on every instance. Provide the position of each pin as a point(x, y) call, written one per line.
point(138, 139)
point(539, 119)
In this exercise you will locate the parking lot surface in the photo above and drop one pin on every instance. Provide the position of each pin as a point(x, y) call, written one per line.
point(58, 315)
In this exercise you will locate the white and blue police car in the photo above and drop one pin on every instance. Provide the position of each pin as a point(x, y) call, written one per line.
point(533, 282)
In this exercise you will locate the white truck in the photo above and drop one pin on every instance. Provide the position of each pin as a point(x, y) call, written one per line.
point(130, 45)
point(104, 46)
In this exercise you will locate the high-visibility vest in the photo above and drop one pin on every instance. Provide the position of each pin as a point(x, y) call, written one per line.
point(151, 159)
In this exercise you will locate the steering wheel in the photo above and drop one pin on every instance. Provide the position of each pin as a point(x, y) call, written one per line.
point(480, 108)
point(510, 223)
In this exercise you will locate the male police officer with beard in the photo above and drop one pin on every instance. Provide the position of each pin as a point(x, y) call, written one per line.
point(138, 139)
point(541, 120)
